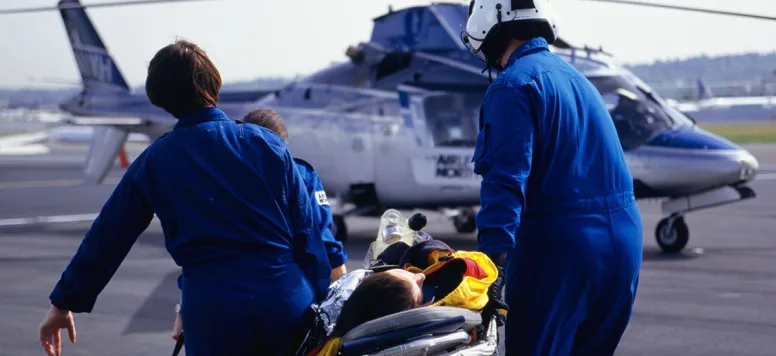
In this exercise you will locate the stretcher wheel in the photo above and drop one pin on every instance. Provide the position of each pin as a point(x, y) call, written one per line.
point(672, 234)
point(339, 229)
point(464, 222)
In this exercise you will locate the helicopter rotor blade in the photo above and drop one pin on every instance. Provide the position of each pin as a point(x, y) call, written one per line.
point(684, 8)
point(84, 6)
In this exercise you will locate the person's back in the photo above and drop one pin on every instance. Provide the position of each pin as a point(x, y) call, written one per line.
point(579, 212)
point(235, 214)
point(558, 211)
point(224, 215)
point(583, 158)
point(321, 210)
point(235, 228)
point(323, 218)
point(246, 188)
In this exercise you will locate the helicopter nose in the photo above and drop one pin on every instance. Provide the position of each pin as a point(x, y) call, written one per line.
point(749, 166)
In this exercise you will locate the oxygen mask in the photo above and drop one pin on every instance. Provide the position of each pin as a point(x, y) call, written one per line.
point(394, 229)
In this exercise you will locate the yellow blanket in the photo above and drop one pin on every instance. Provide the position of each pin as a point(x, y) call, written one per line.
point(472, 293)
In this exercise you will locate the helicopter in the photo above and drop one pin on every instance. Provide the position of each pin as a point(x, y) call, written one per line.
point(395, 123)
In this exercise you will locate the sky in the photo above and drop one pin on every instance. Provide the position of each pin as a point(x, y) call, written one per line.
point(258, 38)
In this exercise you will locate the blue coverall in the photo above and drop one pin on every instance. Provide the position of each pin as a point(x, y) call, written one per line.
point(557, 195)
point(321, 211)
point(236, 217)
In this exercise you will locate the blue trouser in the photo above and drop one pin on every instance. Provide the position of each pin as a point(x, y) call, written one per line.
point(571, 283)
point(244, 314)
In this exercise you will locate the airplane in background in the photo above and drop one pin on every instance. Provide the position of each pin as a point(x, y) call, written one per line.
point(395, 124)
point(710, 108)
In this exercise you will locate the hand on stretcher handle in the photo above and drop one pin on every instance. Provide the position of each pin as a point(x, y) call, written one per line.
point(177, 331)
point(177, 327)
point(178, 346)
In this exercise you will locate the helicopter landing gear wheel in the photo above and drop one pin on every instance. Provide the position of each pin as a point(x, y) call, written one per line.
point(339, 229)
point(672, 234)
point(464, 222)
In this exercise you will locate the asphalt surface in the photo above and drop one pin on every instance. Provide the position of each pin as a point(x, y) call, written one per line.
point(716, 298)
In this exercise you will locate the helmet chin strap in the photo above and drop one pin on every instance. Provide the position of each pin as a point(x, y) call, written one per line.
point(488, 66)
point(489, 61)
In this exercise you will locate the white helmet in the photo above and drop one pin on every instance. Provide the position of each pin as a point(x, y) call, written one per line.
point(485, 15)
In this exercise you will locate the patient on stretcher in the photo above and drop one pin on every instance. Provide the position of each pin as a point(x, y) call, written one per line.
point(378, 295)
point(429, 273)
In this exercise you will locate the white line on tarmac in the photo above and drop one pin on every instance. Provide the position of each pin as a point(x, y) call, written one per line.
point(766, 176)
point(48, 219)
point(50, 183)
point(40, 183)
point(768, 167)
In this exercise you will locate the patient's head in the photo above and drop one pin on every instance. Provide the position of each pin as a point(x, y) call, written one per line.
point(378, 295)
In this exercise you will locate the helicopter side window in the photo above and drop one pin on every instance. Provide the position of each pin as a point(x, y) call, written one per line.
point(452, 119)
point(393, 63)
point(637, 117)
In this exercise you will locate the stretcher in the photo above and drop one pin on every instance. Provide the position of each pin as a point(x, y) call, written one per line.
point(423, 331)
point(427, 331)
point(431, 330)
point(434, 330)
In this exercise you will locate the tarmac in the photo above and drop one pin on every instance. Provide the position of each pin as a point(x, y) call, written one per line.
point(715, 298)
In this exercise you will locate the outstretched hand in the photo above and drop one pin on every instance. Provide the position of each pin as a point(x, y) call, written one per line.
point(49, 332)
point(177, 327)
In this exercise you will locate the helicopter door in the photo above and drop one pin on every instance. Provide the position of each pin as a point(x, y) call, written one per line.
point(409, 168)
point(450, 121)
point(395, 141)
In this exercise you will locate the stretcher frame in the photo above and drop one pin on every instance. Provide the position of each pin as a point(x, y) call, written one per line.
point(433, 330)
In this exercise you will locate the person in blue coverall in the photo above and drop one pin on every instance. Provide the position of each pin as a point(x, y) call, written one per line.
point(321, 210)
point(236, 217)
point(558, 212)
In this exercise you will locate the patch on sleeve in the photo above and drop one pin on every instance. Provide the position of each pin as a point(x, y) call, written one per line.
point(320, 197)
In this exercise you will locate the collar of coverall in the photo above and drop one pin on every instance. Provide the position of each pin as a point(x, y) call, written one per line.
point(207, 114)
point(531, 46)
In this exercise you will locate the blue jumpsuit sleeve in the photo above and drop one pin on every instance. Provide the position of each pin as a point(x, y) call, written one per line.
point(309, 248)
point(125, 215)
point(503, 158)
point(322, 211)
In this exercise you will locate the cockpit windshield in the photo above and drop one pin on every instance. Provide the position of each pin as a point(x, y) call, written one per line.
point(638, 115)
point(452, 119)
point(678, 117)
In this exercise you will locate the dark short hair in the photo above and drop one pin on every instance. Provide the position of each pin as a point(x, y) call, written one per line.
point(182, 80)
point(377, 295)
point(498, 38)
point(269, 119)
